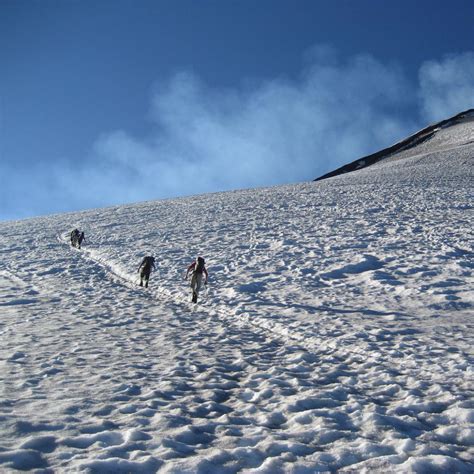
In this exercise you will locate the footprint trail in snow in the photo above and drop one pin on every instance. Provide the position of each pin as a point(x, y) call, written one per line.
point(336, 334)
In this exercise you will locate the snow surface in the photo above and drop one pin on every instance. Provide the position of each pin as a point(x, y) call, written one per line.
point(336, 333)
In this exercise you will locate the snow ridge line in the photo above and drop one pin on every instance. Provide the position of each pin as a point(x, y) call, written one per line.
point(241, 320)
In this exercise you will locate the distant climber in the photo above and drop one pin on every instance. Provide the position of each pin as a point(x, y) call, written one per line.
point(77, 237)
point(75, 234)
point(80, 239)
point(145, 268)
point(197, 268)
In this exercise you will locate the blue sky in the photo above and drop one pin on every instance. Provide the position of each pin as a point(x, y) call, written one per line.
point(109, 102)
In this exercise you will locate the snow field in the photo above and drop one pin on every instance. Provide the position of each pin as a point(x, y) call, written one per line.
point(336, 333)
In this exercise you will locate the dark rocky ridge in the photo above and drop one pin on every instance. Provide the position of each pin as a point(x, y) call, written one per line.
point(410, 142)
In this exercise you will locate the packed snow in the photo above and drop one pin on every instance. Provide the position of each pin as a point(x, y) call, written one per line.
point(335, 334)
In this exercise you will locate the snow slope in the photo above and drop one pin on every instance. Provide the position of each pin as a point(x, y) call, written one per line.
point(336, 333)
point(412, 145)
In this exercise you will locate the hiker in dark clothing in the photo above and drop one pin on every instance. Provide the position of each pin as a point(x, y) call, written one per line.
point(74, 237)
point(198, 268)
point(77, 238)
point(145, 268)
point(80, 239)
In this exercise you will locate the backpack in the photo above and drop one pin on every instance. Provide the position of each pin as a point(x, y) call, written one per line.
point(148, 263)
point(199, 265)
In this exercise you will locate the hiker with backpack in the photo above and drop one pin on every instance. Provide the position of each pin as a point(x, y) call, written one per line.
point(80, 239)
point(75, 237)
point(198, 269)
point(145, 268)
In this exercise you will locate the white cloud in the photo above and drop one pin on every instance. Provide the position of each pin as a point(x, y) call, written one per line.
point(447, 86)
point(278, 131)
point(281, 131)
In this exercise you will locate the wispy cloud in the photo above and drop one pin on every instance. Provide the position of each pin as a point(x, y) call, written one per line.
point(281, 130)
point(447, 86)
point(277, 131)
